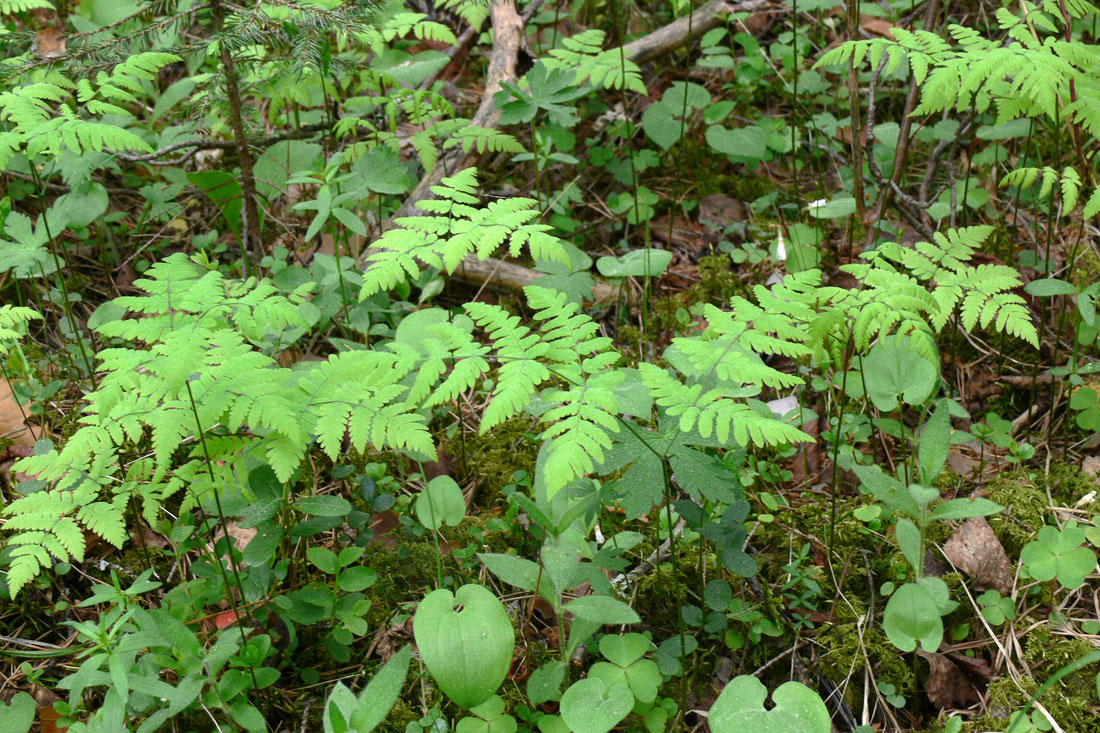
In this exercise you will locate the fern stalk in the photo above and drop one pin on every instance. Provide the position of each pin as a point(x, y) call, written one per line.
point(201, 435)
point(250, 218)
point(66, 304)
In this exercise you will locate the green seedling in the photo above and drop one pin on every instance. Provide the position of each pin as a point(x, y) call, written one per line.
point(346, 713)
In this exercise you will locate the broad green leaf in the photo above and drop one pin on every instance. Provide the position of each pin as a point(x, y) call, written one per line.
point(908, 537)
point(590, 706)
point(380, 170)
point(1049, 286)
point(602, 610)
point(661, 125)
point(912, 616)
point(378, 697)
point(895, 370)
point(280, 161)
point(466, 642)
point(935, 443)
point(440, 501)
point(324, 506)
point(637, 263)
point(18, 715)
point(544, 684)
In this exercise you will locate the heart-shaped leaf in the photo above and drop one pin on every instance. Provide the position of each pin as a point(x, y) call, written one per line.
point(466, 642)
point(440, 501)
point(912, 615)
point(740, 709)
point(590, 706)
point(638, 263)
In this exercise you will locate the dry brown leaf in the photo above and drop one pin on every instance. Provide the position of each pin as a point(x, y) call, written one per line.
point(1091, 465)
point(12, 425)
point(49, 43)
point(948, 686)
point(722, 210)
point(975, 550)
point(877, 26)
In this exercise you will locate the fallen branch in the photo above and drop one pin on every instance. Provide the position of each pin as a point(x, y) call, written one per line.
point(510, 277)
point(508, 39)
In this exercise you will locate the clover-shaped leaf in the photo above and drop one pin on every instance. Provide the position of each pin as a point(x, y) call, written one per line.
point(590, 706)
point(466, 642)
point(1058, 553)
point(740, 709)
point(912, 615)
point(627, 666)
point(1087, 404)
point(491, 718)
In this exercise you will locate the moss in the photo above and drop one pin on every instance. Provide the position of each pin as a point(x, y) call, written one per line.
point(1026, 509)
point(401, 715)
point(845, 653)
point(1067, 483)
point(495, 456)
point(1070, 702)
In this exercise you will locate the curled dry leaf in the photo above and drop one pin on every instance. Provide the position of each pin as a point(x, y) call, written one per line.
point(975, 550)
point(949, 686)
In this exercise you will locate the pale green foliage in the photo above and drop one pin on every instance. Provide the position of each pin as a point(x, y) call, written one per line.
point(483, 139)
point(13, 324)
point(42, 121)
point(456, 229)
point(400, 26)
point(18, 6)
point(207, 364)
point(566, 351)
point(584, 54)
point(1036, 74)
point(983, 293)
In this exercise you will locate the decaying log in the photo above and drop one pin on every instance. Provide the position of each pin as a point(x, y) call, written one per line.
point(510, 277)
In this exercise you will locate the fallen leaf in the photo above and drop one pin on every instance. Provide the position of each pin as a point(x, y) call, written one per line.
point(877, 26)
point(975, 550)
point(48, 43)
point(12, 416)
point(1091, 465)
point(948, 686)
point(722, 210)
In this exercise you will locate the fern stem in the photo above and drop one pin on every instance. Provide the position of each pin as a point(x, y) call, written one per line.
point(674, 548)
point(66, 304)
point(201, 434)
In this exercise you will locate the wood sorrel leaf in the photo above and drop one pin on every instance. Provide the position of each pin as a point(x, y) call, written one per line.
point(740, 708)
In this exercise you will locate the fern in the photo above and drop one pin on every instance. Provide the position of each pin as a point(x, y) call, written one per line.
point(566, 350)
point(456, 229)
point(584, 54)
point(205, 364)
point(483, 139)
point(8, 7)
point(13, 325)
point(983, 293)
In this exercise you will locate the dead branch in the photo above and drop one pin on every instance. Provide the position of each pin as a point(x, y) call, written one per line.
point(508, 39)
